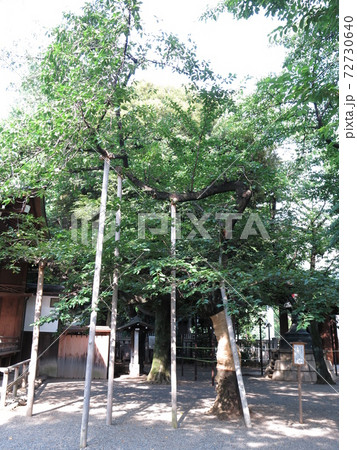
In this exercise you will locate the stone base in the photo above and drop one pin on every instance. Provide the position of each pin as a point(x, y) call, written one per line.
point(284, 370)
point(134, 370)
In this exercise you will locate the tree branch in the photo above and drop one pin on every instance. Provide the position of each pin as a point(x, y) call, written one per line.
point(242, 193)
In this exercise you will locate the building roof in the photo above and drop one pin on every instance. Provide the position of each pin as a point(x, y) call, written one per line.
point(135, 322)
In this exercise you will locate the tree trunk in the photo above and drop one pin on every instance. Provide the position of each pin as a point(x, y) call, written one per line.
point(227, 404)
point(323, 375)
point(160, 367)
point(283, 321)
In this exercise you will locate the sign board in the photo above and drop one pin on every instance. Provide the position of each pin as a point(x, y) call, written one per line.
point(298, 353)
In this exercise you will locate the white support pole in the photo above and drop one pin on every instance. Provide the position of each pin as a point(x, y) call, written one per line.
point(93, 316)
point(239, 375)
point(173, 319)
point(35, 340)
point(113, 321)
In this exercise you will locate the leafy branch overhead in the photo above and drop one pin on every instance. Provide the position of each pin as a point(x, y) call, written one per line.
point(203, 145)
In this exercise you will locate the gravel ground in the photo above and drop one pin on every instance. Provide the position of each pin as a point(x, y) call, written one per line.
point(142, 417)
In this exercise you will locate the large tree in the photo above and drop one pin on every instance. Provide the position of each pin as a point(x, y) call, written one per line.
point(306, 96)
point(208, 149)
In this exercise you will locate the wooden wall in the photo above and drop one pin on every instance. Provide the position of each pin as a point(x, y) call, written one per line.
point(12, 308)
point(72, 356)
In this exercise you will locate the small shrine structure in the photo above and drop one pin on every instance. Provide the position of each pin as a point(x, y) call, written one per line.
point(281, 367)
point(138, 330)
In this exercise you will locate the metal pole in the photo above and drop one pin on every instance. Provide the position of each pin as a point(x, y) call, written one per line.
point(239, 375)
point(173, 319)
point(93, 316)
point(35, 340)
point(113, 321)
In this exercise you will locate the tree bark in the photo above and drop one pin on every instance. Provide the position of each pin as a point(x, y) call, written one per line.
point(160, 367)
point(323, 375)
point(227, 404)
point(283, 321)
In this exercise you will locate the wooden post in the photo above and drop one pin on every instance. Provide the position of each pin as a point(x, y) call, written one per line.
point(195, 361)
point(24, 375)
point(182, 354)
point(212, 357)
point(300, 393)
point(113, 321)
point(5, 381)
point(241, 387)
point(299, 361)
point(261, 347)
point(16, 376)
point(93, 316)
point(173, 319)
point(35, 340)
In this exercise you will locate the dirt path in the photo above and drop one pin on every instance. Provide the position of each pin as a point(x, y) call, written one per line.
point(142, 415)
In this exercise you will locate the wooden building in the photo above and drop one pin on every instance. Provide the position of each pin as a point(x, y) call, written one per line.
point(13, 293)
point(63, 357)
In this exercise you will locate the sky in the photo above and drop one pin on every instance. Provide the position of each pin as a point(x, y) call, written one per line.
point(240, 47)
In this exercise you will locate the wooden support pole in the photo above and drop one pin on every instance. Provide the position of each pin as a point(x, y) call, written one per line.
point(93, 316)
point(241, 387)
point(113, 321)
point(261, 347)
point(173, 319)
point(35, 340)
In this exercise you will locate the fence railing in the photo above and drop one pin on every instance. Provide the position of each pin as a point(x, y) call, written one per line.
point(9, 345)
point(20, 374)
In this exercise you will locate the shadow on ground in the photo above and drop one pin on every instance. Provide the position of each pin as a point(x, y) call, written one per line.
point(142, 417)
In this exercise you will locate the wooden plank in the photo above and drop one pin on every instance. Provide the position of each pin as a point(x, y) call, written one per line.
point(12, 309)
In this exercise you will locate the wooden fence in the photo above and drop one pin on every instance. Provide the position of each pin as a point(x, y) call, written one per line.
point(19, 375)
point(9, 345)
